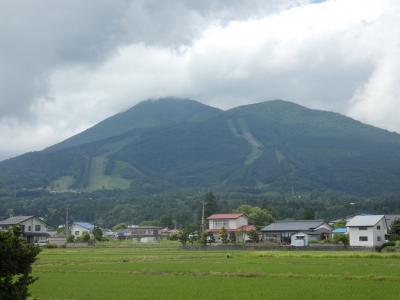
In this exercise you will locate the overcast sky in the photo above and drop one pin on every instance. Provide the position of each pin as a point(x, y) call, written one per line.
point(66, 65)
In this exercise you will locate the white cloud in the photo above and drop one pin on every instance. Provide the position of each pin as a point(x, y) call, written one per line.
point(337, 55)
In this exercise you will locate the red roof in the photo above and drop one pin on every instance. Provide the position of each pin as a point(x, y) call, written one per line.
point(224, 216)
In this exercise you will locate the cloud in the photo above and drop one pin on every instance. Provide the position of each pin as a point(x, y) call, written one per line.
point(336, 55)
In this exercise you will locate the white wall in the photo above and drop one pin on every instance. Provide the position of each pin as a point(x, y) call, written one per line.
point(228, 223)
point(30, 225)
point(372, 233)
point(78, 230)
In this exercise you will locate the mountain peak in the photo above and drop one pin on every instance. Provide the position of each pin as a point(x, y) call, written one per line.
point(145, 114)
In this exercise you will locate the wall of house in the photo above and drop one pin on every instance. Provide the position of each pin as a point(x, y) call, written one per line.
point(372, 233)
point(34, 225)
point(78, 230)
point(228, 223)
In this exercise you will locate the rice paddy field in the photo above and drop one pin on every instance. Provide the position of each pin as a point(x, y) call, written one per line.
point(134, 271)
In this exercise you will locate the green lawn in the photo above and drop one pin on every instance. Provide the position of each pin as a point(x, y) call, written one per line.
point(132, 271)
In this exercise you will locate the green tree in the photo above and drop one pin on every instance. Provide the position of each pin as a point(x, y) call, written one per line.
point(340, 224)
point(71, 238)
point(98, 233)
point(120, 226)
point(308, 213)
point(257, 216)
point(183, 237)
point(85, 237)
point(211, 204)
point(232, 237)
point(223, 234)
point(16, 259)
point(394, 232)
point(341, 238)
point(253, 236)
point(167, 222)
point(155, 223)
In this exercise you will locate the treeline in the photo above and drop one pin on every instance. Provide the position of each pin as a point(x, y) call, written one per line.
point(185, 208)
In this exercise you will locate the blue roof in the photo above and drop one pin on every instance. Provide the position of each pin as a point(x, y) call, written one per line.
point(85, 225)
point(340, 230)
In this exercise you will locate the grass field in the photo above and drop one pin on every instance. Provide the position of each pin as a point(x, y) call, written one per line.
point(133, 271)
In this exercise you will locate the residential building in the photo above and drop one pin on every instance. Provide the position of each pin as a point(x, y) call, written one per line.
point(282, 231)
point(33, 228)
point(367, 230)
point(77, 229)
point(141, 233)
point(235, 223)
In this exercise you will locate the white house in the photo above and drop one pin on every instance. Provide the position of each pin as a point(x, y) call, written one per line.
point(367, 230)
point(233, 223)
point(33, 228)
point(78, 228)
point(283, 230)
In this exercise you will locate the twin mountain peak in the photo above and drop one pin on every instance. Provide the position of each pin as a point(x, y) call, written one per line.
point(175, 144)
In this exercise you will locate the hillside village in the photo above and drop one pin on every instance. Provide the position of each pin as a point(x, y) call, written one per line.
point(375, 232)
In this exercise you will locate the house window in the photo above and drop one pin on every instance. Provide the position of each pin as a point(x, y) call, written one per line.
point(299, 237)
point(76, 232)
point(23, 227)
point(362, 228)
point(363, 239)
point(37, 227)
point(378, 238)
point(29, 228)
point(378, 227)
point(221, 223)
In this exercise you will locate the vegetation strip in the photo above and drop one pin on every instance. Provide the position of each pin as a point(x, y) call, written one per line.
point(234, 274)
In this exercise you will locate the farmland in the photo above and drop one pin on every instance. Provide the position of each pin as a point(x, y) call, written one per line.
point(134, 271)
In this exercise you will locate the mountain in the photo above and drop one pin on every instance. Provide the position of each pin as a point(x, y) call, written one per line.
point(175, 144)
point(147, 114)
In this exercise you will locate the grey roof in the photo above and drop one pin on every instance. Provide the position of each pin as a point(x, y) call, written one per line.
point(297, 225)
point(365, 220)
point(15, 220)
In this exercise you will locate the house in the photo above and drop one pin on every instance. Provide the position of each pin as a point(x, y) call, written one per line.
point(143, 233)
point(367, 230)
point(33, 228)
point(282, 231)
point(237, 224)
point(77, 229)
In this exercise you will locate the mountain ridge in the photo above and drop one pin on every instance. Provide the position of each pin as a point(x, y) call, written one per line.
point(271, 145)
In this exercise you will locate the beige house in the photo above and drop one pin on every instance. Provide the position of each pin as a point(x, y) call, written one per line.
point(367, 231)
point(33, 228)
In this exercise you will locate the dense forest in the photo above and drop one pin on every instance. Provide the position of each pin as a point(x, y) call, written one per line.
point(112, 207)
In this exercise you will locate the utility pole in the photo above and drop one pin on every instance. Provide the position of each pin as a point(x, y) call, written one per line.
point(202, 217)
point(66, 226)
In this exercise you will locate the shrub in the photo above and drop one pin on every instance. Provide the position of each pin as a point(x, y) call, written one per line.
point(51, 246)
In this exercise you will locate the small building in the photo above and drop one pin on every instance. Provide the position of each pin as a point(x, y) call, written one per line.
point(77, 229)
point(236, 223)
point(367, 230)
point(282, 231)
point(299, 239)
point(143, 234)
point(34, 229)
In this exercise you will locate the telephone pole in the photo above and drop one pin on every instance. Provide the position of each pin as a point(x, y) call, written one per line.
point(66, 226)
